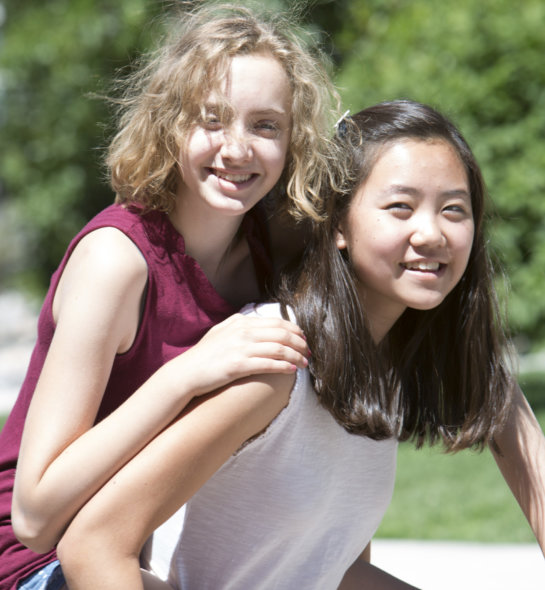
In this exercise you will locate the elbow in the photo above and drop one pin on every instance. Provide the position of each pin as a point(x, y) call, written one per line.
point(70, 558)
point(73, 551)
point(32, 532)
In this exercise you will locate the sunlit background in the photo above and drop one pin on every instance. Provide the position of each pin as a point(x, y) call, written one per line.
point(482, 63)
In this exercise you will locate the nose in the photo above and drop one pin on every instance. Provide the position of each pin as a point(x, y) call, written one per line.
point(236, 145)
point(427, 232)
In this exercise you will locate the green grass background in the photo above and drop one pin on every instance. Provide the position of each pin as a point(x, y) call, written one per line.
point(456, 497)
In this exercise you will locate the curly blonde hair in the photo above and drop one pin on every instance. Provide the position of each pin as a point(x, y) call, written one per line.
point(162, 101)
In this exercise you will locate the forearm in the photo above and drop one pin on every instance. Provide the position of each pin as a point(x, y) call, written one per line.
point(521, 459)
point(43, 507)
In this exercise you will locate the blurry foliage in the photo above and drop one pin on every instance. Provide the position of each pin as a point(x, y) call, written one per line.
point(53, 55)
point(479, 62)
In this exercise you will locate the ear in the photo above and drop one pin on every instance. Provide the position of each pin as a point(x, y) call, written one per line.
point(340, 239)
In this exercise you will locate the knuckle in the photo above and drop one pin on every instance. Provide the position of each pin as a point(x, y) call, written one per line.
point(280, 351)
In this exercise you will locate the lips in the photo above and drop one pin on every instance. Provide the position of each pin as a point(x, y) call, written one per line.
point(234, 178)
point(422, 265)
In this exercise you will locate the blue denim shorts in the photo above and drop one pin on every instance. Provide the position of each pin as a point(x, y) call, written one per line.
point(50, 577)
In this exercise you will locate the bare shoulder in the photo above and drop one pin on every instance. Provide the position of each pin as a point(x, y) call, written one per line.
point(102, 286)
point(273, 389)
point(248, 405)
point(109, 251)
point(104, 260)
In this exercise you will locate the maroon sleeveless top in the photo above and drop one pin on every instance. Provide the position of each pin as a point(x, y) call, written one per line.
point(180, 306)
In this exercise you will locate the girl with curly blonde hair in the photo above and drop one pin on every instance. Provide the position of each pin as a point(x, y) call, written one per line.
point(140, 318)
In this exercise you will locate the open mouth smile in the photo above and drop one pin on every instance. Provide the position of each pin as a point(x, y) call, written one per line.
point(234, 178)
point(423, 266)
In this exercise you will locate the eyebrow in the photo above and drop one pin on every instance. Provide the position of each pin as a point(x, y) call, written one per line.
point(259, 112)
point(400, 188)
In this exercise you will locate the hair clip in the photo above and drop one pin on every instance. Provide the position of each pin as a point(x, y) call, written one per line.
point(340, 125)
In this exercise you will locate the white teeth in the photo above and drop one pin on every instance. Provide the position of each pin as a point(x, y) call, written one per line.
point(422, 265)
point(234, 177)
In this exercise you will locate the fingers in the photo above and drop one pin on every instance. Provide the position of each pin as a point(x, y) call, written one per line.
point(266, 357)
point(273, 338)
point(242, 346)
point(262, 328)
point(242, 320)
point(282, 342)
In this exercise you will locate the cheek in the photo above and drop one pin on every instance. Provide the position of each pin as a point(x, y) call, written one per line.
point(277, 154)
point(372, 252)
point(273, 161)
point(383, 240)
point(198, 145)
point(465, 245)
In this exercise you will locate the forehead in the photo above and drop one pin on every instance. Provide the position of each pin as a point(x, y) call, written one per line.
point(253, 77)
point(433, 161)
point(410, 145)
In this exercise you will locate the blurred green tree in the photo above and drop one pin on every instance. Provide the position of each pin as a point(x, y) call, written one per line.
point(479, 62)
point(53, 55)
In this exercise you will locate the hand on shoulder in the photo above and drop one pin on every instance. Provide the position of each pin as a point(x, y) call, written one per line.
point(242, 346)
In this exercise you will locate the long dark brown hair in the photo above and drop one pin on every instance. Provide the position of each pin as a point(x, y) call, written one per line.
point(439, 375)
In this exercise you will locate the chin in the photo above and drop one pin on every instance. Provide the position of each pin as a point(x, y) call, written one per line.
point(232, 206)
point(428, 305)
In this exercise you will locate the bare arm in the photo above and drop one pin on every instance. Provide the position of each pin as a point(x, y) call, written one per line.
point(362, 575)
point(115, 523)
point(64, 459)
point(522, 463)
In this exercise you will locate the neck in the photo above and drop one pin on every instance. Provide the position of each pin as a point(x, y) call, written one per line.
point(380, 317)
point(379, 329)
point(208, 239)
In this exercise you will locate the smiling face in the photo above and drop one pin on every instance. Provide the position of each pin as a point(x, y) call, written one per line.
point(228, 165)
point(409, 230)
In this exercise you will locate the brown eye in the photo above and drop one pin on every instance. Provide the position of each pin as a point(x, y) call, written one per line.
point(456, 211)
point(399, 205)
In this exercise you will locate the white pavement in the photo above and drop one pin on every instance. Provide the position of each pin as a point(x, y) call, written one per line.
point(18, 319)
point(442, 565)
point(428, 565)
